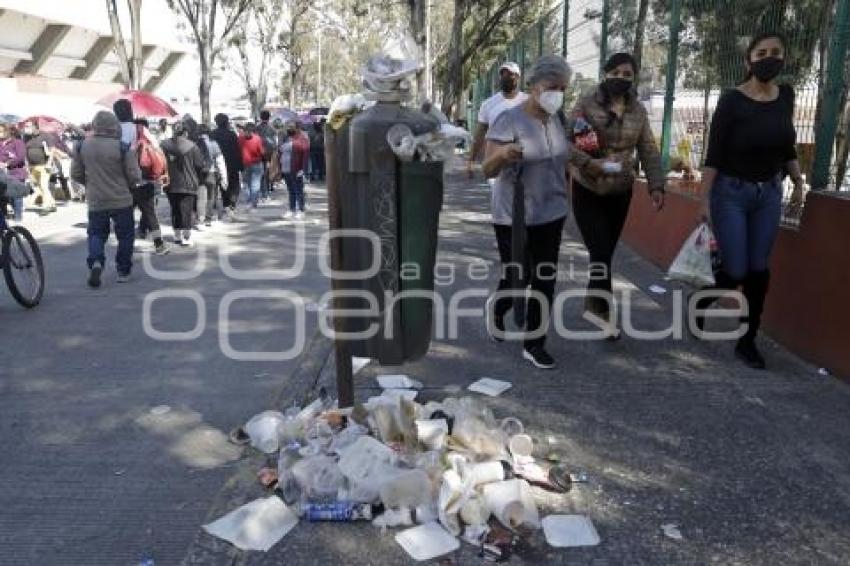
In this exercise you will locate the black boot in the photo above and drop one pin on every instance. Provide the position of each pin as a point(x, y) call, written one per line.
point(723, 282)
point(755, 290)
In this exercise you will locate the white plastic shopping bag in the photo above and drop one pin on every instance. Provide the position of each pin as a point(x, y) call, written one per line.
point(693, 264)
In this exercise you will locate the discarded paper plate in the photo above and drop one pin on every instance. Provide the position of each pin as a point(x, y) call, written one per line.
point(490, 386)
point(257, 525)
point(569, 530)
point(398, 382)
point(427, 541)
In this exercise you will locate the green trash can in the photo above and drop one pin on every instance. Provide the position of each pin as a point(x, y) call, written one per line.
point(400, 204)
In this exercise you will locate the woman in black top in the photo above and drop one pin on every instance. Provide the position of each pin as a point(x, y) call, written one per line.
point(751, 148)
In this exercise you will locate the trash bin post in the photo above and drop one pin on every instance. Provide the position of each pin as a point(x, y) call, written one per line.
point(344, 373)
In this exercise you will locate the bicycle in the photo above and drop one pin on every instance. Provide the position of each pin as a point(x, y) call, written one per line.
point(20, 259)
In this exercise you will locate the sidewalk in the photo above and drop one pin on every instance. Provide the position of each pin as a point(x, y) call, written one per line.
point(752, 467)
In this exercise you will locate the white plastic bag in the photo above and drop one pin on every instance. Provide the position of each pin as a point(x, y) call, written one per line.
point(693, 264)
point(264, 430)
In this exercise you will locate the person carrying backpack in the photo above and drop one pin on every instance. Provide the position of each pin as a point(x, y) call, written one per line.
point(215, 166)
point(185, 169)
point(269, 136)
point(109, 170)
point(155, 172)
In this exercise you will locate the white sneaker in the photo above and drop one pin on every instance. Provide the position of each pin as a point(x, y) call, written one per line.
point(188, 242)
point(299, 216)
point(288, 215)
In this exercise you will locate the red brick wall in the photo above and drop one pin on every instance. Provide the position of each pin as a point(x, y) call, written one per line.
point(808, 306)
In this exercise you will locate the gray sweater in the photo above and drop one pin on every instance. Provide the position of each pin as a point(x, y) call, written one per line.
point(106, 168)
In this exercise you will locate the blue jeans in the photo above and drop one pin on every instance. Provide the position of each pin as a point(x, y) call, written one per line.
point(98, 231)
point(745, 219)
point(252, 177)
point(295, 186)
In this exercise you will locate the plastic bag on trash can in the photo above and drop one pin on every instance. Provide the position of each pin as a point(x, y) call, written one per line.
point(264, 430)
point(693, 264)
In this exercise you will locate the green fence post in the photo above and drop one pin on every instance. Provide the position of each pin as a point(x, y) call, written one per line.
point(670, 86)
point(565, 32)
point(540, 33)
point(826, 128)
point(603, 34)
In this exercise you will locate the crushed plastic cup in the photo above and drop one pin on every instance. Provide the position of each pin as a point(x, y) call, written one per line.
point(474, 512)
point(432, 433)
point(521, 445)
point(512, 503)
point(486, 472)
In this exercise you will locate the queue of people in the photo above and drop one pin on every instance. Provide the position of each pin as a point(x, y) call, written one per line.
point(540, 160)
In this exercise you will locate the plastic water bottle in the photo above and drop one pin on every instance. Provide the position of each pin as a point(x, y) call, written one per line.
point(337, 511)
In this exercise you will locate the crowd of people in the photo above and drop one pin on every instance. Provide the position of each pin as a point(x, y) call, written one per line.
point(202, 171)
point(541, 162)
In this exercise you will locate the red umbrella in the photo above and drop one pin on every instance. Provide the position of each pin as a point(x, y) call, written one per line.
point(45, 123)
point(145, 104)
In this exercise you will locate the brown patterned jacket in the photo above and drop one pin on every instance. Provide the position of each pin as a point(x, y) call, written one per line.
point(621, 137)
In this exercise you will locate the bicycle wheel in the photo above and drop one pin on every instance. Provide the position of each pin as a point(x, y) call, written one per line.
point(23, 267)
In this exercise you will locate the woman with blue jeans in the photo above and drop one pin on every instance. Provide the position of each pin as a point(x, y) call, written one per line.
point(751, 148)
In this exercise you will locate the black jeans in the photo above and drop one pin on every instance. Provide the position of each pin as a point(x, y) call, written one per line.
point(230, 196)
point(542, 246)
point(182, 208)
point(145, 200)
point(600, 220)
point(317, 165)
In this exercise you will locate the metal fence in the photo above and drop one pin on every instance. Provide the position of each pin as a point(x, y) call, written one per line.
point(692, 50)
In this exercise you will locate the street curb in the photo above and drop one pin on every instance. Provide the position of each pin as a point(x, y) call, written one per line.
point(242, 486)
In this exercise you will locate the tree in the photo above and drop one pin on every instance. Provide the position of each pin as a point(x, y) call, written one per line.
point(480, 32)
point(211, 23)
point(293, 43)
point(259, 34)
point(130, 64)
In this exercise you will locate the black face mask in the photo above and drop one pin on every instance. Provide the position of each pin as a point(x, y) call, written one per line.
point(767, 69)
point(507, 84)
point(617, 86)
point(290, 132)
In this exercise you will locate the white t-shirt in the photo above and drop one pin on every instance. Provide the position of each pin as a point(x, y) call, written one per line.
point(496, 104)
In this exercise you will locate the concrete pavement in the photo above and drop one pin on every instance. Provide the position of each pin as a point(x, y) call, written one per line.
point(751, 467)
point(113, 442)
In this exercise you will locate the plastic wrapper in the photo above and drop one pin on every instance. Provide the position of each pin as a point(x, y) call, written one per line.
point(408, 488)
point(319, 477)
point(264, 430)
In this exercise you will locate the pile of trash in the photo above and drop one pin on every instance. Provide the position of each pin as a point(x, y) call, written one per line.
point(444, 469)
point(438, 145)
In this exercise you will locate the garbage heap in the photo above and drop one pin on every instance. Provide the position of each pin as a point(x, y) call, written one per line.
point(449, 466)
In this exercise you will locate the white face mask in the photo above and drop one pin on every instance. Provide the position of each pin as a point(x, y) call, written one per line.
point(551, 100)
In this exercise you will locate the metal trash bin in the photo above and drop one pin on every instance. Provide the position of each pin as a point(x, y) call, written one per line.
point(399, 203)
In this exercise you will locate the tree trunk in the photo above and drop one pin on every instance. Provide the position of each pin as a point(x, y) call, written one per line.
point(639, 30)
point(416, 13)
point(706, 95)
point(137, 67)
point(205, 87)
point(454, 72)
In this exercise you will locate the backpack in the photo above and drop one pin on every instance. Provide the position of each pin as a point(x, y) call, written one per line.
point(152, 160)
point(269, 137)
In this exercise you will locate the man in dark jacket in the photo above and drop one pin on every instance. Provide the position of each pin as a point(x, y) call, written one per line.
point(316, 133)
point(186, 167)
point(109, 170)
point(227, 140)
point(269, 136)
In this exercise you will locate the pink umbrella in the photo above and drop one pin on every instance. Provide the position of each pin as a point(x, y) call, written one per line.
point(45, 124)
point(145, 104)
